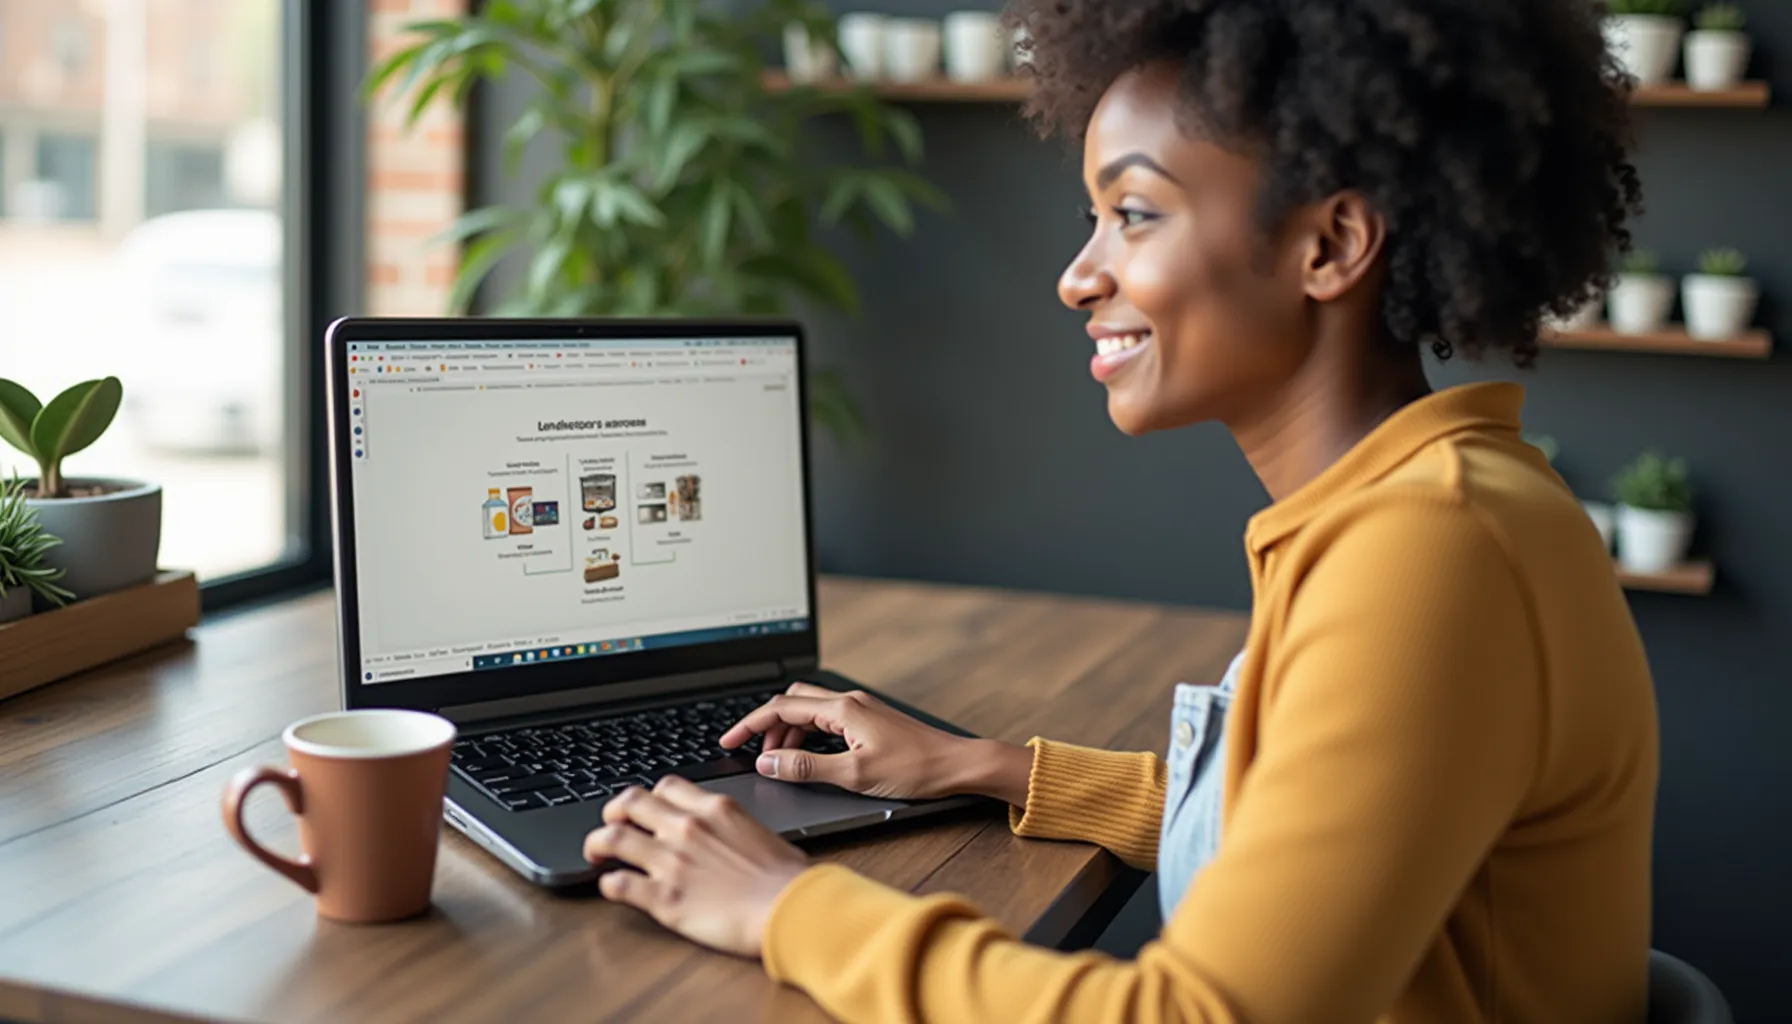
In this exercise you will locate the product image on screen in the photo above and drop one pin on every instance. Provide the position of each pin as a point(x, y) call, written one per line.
point(647, 514)
point(655, 491)
point(545, 513)
point(599, 492)
point(685, 501)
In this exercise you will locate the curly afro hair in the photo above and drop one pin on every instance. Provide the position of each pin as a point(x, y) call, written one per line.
point(1492, 135)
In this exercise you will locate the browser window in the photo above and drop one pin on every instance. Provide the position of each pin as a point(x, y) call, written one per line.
point(523, 502)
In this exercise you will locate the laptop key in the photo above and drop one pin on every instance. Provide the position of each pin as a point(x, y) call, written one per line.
point(523, 785)
point(591, 791)
point(556, 796)
point(519, 801)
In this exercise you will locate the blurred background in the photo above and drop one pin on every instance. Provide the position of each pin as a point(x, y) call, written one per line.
point(140, 237)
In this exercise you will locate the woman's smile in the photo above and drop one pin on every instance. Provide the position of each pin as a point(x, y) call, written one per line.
point(1114, 351)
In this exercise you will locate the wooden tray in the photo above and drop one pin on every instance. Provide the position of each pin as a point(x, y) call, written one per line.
point(48, 646)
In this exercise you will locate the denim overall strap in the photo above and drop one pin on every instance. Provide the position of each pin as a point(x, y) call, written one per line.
point(1197, 762)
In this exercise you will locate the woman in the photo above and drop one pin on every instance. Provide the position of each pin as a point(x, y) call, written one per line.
point(1431, 795)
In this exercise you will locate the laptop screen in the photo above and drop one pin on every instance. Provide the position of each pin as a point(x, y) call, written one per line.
point(524, 502)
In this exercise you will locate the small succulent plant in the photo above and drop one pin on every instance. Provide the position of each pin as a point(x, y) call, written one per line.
point(52, 431)
point(22, 546)
point(1640, 261)
point(1723, 262)
point(1655, 483)
point(1721, 18)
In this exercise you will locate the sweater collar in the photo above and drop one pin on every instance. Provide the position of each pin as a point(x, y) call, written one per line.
point(1397, 439)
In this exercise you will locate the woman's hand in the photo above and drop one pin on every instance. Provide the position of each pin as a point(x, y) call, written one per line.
point(889, 754)
point(708, 871)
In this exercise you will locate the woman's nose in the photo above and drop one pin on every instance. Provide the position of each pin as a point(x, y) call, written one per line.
point(1086, 282)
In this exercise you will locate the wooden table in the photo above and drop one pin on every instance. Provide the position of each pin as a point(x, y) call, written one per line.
point(122, 898)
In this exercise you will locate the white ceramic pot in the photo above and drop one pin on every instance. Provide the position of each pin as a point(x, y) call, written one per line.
point(975, 48)
point(1582, 319)
point(862, 44)
point(15, 604)
point(806, 59)
point(911, 49)
point(109, 541)
point(1650, 541)
point(1718, 307)
point(1715, 60)
point(1646, 44)
point(1604, 520)
point(1640, 303)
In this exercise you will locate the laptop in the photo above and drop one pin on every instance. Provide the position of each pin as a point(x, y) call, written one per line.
point(588, 544)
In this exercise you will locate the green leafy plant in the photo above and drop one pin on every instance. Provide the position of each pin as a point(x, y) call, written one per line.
point(686, 183)
point(1639, 261)
point(1655, 483)
point(50, 433)
point(1668, 7)
point(1723, 262)
point(1545, 444)
point(1721, 18)
point(22, 546)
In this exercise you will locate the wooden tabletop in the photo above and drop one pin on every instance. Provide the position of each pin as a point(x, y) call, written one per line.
point(122, 898)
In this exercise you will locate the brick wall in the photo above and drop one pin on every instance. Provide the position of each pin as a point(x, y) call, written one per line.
point(416, 180)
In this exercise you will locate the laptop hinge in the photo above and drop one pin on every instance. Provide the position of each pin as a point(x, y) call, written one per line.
point(611, 693)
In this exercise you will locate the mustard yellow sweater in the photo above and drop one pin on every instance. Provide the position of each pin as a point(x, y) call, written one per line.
point(1440, 781)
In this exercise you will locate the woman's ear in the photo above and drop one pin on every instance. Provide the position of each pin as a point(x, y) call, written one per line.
point(1345, 239)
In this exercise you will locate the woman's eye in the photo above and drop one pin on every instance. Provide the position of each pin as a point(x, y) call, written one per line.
point(1133, 218)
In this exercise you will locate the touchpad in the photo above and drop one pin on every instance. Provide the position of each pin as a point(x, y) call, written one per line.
point(792, 810)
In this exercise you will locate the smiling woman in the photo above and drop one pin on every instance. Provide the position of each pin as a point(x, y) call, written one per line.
point(1425, 789)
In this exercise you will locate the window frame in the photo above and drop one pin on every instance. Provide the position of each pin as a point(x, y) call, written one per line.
point(324, 58)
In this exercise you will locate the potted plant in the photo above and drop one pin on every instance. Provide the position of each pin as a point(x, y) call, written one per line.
point(1643, 296)
point(110, 529)
point(1645, 37)
point(23, 543)
point(683, 184)
point(1655, 518)
point(1719, 300)
point(1717, 51)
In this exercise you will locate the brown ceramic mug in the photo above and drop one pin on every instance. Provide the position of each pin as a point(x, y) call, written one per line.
point(367, 787)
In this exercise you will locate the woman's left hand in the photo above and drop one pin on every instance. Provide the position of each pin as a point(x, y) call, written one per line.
point(708, 871)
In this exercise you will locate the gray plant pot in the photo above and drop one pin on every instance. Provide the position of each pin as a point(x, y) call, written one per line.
point(109, 541)
point(15, 604)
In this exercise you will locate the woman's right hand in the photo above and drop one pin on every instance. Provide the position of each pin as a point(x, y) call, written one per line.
point(889, 755)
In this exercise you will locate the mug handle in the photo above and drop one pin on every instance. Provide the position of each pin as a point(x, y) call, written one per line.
point(236, 797)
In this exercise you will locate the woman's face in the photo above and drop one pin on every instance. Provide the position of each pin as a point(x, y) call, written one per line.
point(1195, 313)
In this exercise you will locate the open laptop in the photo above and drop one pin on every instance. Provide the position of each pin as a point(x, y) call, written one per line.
point(587, 543)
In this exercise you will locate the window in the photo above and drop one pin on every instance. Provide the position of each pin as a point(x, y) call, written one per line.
point(151, 235)
point(187, 176)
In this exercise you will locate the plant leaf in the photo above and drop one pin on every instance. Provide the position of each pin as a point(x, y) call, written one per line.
point(890, 205)
point(841, 193)
point(481, 221)
point(632, 203)
point(76, 418)
point(518, 136)
point(686, 141)
point(903, 127)
point(660, 97)
point(18, 409)
point(752, 218)
point(477, 261)
point(548, 264)
point(714, 231)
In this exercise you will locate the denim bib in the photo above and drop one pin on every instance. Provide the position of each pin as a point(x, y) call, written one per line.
point(1197, 760)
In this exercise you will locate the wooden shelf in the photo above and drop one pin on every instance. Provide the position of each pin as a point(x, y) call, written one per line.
point(931, 90)
point(1747, 95)
point(1744, 95)
point(1674, 341)
point(1690, 578)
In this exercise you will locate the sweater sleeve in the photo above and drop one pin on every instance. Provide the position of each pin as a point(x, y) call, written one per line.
point(1399, 729)
point(1112, 799)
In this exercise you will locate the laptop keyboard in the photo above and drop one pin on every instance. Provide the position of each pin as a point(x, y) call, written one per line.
point(550, 765)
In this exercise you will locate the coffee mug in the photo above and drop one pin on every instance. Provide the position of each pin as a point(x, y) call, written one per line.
point(862, 44)
point(367, 788)
point(976, 50)
point(911, 49)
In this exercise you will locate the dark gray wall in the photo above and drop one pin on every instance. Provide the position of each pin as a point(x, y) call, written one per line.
point(994, 463)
